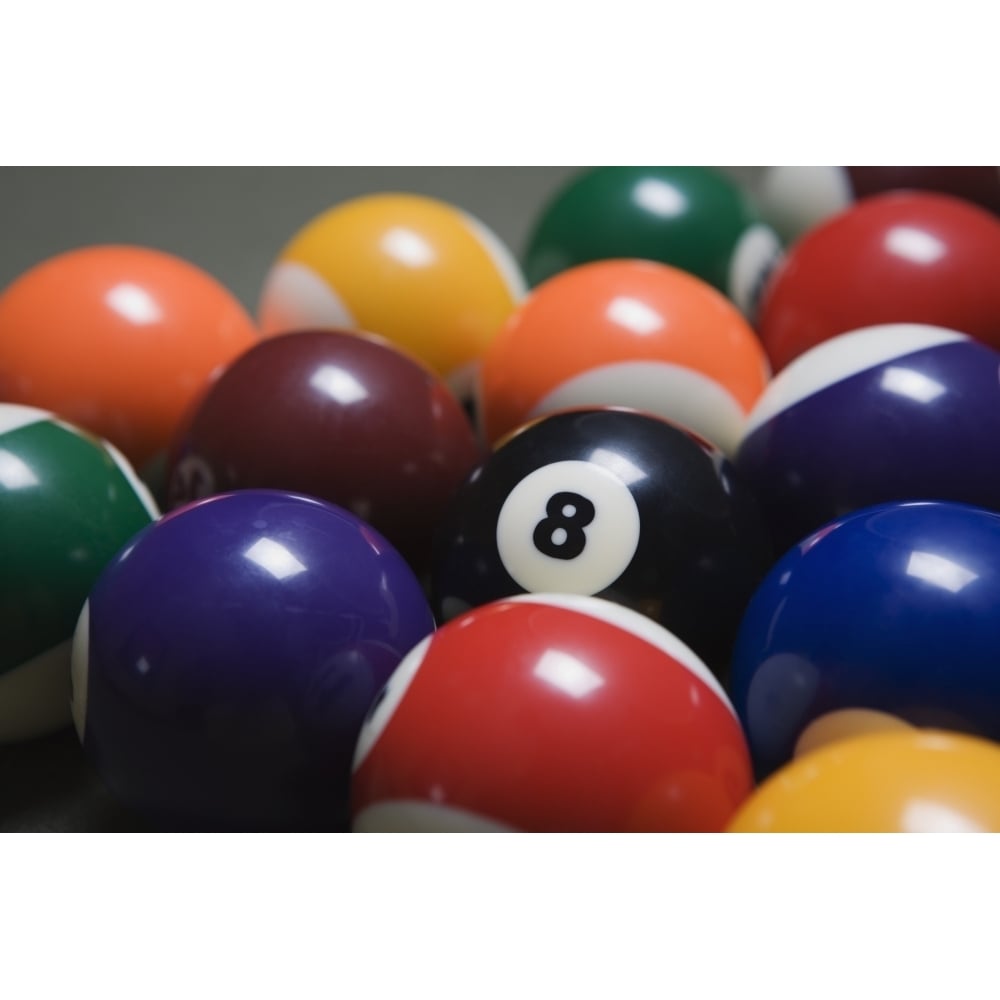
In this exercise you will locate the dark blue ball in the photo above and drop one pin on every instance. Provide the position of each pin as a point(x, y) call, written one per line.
point(227, 657)
point(892, 608)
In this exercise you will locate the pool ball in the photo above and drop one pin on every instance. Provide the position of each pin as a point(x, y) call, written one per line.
point(693, 218)
point(68, 503)
point(225, 660)
point(339, 416)
point(845, 723)
point(891, 608)
point(550, 713)
point(118, 340)
point(625, 333)
point(904, 257)
point(420, 272)
point(890, 782)
point(795, 199)
point(896, 412)
point(612, 503)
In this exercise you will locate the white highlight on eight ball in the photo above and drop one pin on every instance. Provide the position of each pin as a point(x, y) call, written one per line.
point(589, 553)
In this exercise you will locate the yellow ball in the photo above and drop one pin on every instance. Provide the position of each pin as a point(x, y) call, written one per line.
point(427, 276)
point(900, 781)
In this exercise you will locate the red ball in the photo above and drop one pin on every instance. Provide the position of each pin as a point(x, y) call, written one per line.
point(343, 417)
point(550, 713)
point(893, 258)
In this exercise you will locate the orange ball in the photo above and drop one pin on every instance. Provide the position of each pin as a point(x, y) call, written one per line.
point(625, 333)
point(119, 340)
point(900, 781)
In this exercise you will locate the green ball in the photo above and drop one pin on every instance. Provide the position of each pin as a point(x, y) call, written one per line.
point(693, 218)
point(68, 503)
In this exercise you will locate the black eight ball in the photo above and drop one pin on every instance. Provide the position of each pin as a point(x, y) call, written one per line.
point(612, 503)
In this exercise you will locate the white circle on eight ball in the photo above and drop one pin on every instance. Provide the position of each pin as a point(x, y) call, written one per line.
point(570, 527)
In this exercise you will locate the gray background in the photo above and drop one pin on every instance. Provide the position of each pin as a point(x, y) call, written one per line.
point(232, 222)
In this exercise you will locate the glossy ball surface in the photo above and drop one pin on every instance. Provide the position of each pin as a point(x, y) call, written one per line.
point(897, 782)
point(898, 412)
point(892, 608)
point(68, 503)
point(420, 272)
point(611, 503)
point(894, 258)
point(342, 417)
point(119, 340)
point(625, 333)
point(550, 713)
point(693, 218)
point(225, 661)
point(795, 199)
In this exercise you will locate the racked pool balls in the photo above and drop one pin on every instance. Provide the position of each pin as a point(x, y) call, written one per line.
point(550, 713)
point(342, 417)
point(895, 412)
point(903, 257)
point(693, 218)
point(888, 782)
point(892, 608)
point(613, 503)
point(625, 333)
point(795, 199)
point(226, 659)
point(420, 272)
point(68, 503)
point(119, 340)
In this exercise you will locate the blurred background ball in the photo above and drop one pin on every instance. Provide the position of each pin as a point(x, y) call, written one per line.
point(843, 724)
point(795, 199)
point(693, 218)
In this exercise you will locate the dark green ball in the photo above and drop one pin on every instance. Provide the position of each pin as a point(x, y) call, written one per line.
point(68, 503)
point(693, 218)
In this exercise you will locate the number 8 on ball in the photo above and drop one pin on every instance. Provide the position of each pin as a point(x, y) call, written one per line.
point(570, 527)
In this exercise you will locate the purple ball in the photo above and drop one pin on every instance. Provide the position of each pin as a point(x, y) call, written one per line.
point(902, 411)
point(227, 657)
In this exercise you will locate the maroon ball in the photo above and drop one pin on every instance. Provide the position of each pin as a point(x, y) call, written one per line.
point(976, 184)
point(796, 200)
point(344, 417)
